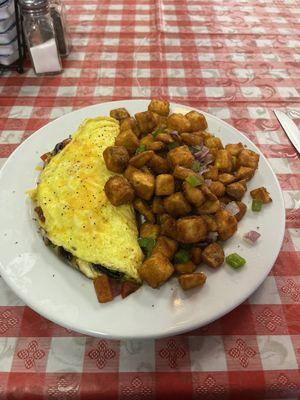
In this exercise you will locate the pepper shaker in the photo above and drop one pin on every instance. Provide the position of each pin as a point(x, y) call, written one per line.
point(58, 14)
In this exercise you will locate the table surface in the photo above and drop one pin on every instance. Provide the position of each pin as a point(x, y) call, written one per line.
point(236, 61)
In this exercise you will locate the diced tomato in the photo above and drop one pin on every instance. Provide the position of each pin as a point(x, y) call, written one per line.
point(40, 214)
point(103, 289)
point(128, 287)
point(45, 156)
point(115, 286)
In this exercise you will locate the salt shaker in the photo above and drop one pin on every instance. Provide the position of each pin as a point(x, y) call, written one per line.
point(40, 36)
point(58, 14)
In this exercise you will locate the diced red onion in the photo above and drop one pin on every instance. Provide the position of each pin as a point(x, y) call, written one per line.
point(201, 153)
point(232, 207)
point(202, 170)
point(212, 236)
point(207, 182)
point(175, 135)
point(251, 236)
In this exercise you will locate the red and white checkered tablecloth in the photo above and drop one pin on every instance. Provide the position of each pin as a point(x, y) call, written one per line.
point(238, 60)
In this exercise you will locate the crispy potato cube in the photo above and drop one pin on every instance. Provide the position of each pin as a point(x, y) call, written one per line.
point(179, 123)
point(190, 281)
point(193, 194)
point(243, 208)
point(223, 161)
point(160, 120)
point(227, 224)
point(147, 141)
point(147, 229)
point(156, 146)
point(234, 149)
point(236, 190)
point(217, 188)
point(209, 207)
point(145, 121)
point(226, 178)
point(168, 226)
point(156, 270)
point(213, 255)
point(164, 185)
point(143, 184)
point(212, 173)
point(177, 205)
point(191, 139)
point(261, 194)
point(116, 158)
point(141, 159)
point(165, 246)
point(185, 268)
point(182, 173)
point(129, 172)
point(130, 123)
point(159, 165)
point(129, 140)
point(181, 156)
point(158, 205)
point(191, 229)
point(119, 114)
point(197, 121)
point(210, 222)
point(209, 195)
point(161, 107)
point(196, 255)
point(247, 158)
point(164, 138)
point(244, 173)
point(103, 289)
point(213, 142)
point(118, 190)
point(143, 208)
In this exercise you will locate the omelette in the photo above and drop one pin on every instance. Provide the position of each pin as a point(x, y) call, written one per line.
point(76, 218)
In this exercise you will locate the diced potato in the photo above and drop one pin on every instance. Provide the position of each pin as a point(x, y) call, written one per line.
point(213, 255)
point(168, 226)
point(143, 208)
point(161, 107)
point(179, 123)
point(185, 268)
point(103, 289)
point(191, 139)
point(226, 178)
point(159, 165)
point(147, 141)
point(141, 159)
point(146, 169)
point(234, 149)
point(209, 207)
point(129, 172)
point(156, 145)
point(217, 188)
point(116, 158)
point(191, 229)
point(164, 185)
point(147, 229)
point(227, 224)
point(130, 123)
point(193, 194)
point(177, 205)
point(158, 205)
point(119, 114)
point(181, 156)
point(243, 208)
point(261, 194)
point(209, 195)
point(164, 138)
point(196, 255)
point(129, 140)
point(182, 173)
point(244, 173)
point(143, 184)
point(118, 190)
point(165, 246)
point(210, 222)
point(223, 161)
point(197, 120)
point(156, 270)
point(236, 190)
point(145, 121)
point(247, 158)
point(160, 120)
point(190, 281)
point(212, 173)
point(213, 142)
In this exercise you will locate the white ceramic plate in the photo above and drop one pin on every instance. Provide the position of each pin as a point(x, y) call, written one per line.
point(66, 297)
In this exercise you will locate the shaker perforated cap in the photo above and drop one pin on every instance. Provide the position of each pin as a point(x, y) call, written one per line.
point(32, 6)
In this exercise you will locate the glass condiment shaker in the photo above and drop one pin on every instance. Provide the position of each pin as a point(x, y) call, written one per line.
point(40, 36)
point(58, 14)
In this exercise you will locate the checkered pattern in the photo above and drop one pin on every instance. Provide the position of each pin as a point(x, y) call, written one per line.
point(238, 60)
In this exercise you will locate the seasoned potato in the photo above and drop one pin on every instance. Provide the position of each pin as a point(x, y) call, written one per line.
point(147, 141)
point(181, 156)
point(226, 178)
point(213, 255)
point(177, 205)
point(247, 158)
point(165, 246)
point(234, 149)
point(143, 208)
point(193, 194)
point(185, 268)
point(164, 185)
point(244, 173)
point(130, 123)
point(156, 270)
point(118, 190)
point(197, 121)
point(182, 173)
point(129, 140)
point(141, 159)
point(145, 121)
point(209, 207)
point(160, 120)
point(209, 195)
point(196, 255)
point(191, 229)
point(243, 208)
point(223, 161)
point(143, 184)
point(213, 143)
point(149, 230)
point(227, 224)
point(179, 123)
point(212, 173)
point(191, 139)
point(210, 222)
point(217, 188)
point(164, 138)
point(158, 205)
point(156, 145)
point(159, 165)
point(119, 114)
point(161, 107)
point(168, 226)
point(225, 199)
point(236, 190)
point(190, 281)
point(116, 158)
point(129, 172)
point(261, 194)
